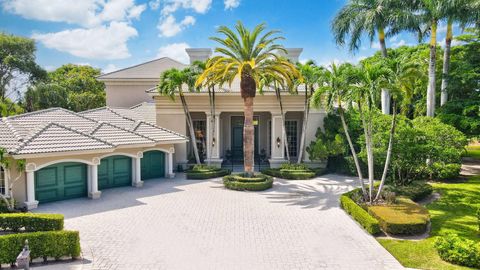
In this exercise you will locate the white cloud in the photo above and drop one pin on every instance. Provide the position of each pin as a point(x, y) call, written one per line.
point(175, 51)
point(103, 42)
point(169, 26)
point(199, 6)
point(454, 43)
point(86, 13)
point(154, 5)
point(109, 68)
point(375, 45)
point(231, 4)
point(400, 43)
point(393, 39)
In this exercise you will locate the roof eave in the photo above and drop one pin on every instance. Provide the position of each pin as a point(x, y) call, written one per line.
point(62, 153)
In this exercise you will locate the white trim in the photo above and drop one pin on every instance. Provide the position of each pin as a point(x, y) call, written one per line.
point(36, 168)
point(156, 149)
point(118, 154)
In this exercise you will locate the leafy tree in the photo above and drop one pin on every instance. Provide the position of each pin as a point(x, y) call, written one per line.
point(463, 115)
point(5, 163)
point(17, 59)
point(8, 107)
point(246, 54)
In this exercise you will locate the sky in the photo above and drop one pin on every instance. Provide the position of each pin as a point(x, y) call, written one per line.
point(114, 34)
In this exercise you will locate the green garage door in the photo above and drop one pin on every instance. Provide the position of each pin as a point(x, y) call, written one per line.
point(114, 171)
point(153, 165)
point(61, 181)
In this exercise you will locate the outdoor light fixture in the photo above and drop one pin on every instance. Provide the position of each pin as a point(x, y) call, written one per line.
point(278, 142)
point(213, 142)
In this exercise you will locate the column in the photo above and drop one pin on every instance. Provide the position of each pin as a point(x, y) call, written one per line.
point(94, 193)
point(213, 142)
point(137, 171)
point(31, 203)
point(277, 144)
point(170, 173)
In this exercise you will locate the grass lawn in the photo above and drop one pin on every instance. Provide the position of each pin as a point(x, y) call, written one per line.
point(473, 151)
point(453, 212)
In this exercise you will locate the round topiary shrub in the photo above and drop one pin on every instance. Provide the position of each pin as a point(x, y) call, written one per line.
point(258, 182)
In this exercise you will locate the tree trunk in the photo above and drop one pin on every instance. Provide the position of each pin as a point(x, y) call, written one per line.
point(248, 136)
point(190, 128)
point(385, 93)
point(431, 71)
point(368, 136)
point(284, 131)
point(446, 63)
point(352, 149)
point(304, 125)
point(389, 154)
point(211, 95)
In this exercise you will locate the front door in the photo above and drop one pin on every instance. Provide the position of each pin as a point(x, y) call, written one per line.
point(237, 137)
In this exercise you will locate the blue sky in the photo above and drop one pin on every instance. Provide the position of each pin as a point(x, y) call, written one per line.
point(113, 34)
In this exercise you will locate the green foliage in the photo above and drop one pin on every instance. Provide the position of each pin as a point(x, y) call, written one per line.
point(415, 191)
point(258, 182)
point(368, 222)
point(294, 171)
point(473, 151)
point(203, 171)
point(31, 222)
point(478, 219)
point(405, 217)
point(55, 244)
point(8, 108)
point(70, 86)
point(463, 115)
point(458, 250)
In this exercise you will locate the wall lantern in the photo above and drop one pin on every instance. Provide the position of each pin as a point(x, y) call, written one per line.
point(213, 142)
point(278, 142)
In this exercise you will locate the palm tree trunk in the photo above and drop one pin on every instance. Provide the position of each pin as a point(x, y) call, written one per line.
point(284, 131)
point(446, 63)
point(211, 96)
point(389, 154)
point(352, 149)
point(431, 71)
point(368, 136)
point(385, 93)
point(190, 128)
point(304, 125)
point(248, 136)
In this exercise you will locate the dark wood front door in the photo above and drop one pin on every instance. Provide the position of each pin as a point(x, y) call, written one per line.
point(237, 137)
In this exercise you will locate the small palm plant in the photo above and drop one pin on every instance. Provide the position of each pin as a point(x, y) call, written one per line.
point(246, 54)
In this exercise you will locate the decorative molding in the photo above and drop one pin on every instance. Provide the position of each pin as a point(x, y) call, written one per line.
point(96, 161)
point(172, 150)
point(31, 167)
point(139, 154)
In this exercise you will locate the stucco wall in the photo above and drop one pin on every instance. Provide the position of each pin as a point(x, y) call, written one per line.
point(127, 95)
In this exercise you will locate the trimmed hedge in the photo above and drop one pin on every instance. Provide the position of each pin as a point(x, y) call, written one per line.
point(31, 222)
point(240, 182)
point(200, 175)
point(458, 250)
point(405, 217)
point(54, 244)
point(415, 191)
point(368, 222)
point(294, 173)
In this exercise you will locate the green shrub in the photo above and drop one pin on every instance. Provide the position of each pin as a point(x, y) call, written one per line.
point(458, 250)
point(445, 171)
point(294, 166)
point(3, 207)
point(55, 244)
point(240, 182)
point(415, 191)
point(478, 219)
point(206, 173)
point(368, 222)
point(405, 217)
point(31, 222)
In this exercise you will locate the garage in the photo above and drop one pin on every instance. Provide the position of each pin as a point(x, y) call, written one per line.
point(153, 165)
point(61, 181)
point(114, 171)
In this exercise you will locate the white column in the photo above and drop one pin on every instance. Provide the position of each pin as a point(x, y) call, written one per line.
point(31, 203)
point(137, 170)
point(94, 193)
point(277, 145)
point(170, 173)
point(213, 142)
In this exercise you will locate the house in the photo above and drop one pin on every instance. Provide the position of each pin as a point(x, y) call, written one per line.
point(130, 86)
point(70, 155)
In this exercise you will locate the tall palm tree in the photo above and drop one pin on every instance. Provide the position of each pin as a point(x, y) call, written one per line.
point(172, 82)
point(370, 17)
point(334, 90)
point(246, 54)
point(311, 75)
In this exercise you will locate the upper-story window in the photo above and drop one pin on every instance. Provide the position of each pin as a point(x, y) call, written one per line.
point(3, 188)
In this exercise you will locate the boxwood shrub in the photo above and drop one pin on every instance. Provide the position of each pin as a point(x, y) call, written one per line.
point(368, 222)
point(405, 217)
point(458, 250)
point(294, 172)
point(415, 191)
point(199, 172)
point(54, 244)
point(239, 182)
point(31, 222)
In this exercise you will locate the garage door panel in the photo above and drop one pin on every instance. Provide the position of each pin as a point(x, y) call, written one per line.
point(74, 191)
point(153, 165)
point(47, 195)
point(115, 171)
point(74, 174)
point(49, 176)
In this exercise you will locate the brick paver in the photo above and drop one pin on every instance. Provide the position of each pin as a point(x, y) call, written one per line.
point(183, 224)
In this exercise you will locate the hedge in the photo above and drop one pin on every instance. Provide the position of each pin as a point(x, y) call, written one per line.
point(415, 191)
point(458, 250)
point(368, 222)
point(294, 174)
point(207, 174)
point(405, 217)
point(54, 244)
point(31, 222)
point(240, 182)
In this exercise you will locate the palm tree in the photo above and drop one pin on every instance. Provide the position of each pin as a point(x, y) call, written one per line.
point(246, 54)
point(370, 17)
point(310, 78)
point(335, 88)
point(172, 82)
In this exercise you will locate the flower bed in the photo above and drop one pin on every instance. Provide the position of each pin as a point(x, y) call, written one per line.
point(240, 182)
point(369, 223)
point(199, 172)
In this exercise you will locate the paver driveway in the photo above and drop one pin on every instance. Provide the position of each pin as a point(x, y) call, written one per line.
point(183, 224)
